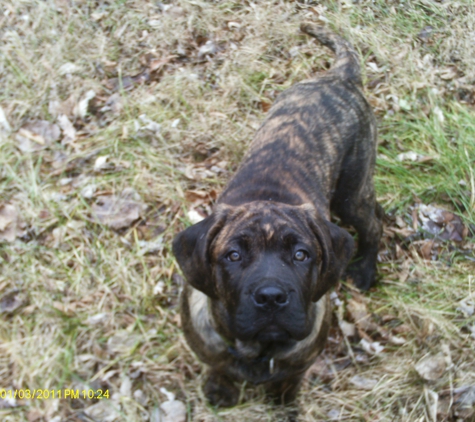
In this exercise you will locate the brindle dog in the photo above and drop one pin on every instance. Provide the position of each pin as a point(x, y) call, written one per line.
point(255, 306)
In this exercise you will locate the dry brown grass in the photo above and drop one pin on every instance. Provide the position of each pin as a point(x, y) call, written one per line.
point(85, 306)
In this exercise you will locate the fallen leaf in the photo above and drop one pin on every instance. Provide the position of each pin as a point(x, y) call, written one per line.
point(8, 223)
point(431, 367)
point(118, 212)
point(363, 383)
point(97, 318)
point(126, 387)
point(265, 106)
point(426, 249)
point(69, 68)
point(415, 157)
point(347, 328)
point(157, 64)
point(404, 104)
point(467, 306)
point(69, 132)
point(155, 23)
point(122, 342)
point(170, 396)
point(175, 11)
point(432, 399)
point(425, 33)
point(197, 172)
point(207, 49)
point(97, 16)
point(11, 301)
point(149, 124)
point(442, 223)
point(173, 411)
point(467, 398)
point(65, 308)
point(194, 216)
point(397, 340)
point(448, 73)
point(127, 83)
point(66, 107)
point(334, 415)
point(373, 348)
point(34, 415)
point(4, 125)
point(402, 329)
point(8, 403)
point(114, 104)
point(360, 315)
point(150, 247)
point(104, 411)
point(200, 197)
point(88, 191)
point(100, 162)
point(159, 288)
point(140, 397)
point(37, 135)
point(439, 114)
point(83, 105)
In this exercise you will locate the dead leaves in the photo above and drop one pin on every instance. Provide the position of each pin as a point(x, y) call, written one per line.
point(425, 231)
point(118, 211)
point(359, 326)
point(358, 311)
point(11, 301)
point(41, 134)
point(5, 127)
point(363, 383)
point(10, 227)
point(467, 306)
point(171, 410)
point(415, 157)
point(442, 223)
point(69, 132)
point(37, 135)
point(127, 83)
point(431, 367)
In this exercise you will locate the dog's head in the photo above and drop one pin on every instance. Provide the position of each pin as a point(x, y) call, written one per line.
point(263, 264)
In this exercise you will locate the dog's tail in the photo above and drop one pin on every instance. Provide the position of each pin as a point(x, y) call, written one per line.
point(347, 64)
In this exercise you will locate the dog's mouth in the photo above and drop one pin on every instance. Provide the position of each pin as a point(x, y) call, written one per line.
point(274, 329)
point(273, 334)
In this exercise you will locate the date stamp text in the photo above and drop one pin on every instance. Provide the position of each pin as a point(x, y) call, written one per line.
point(45, 394)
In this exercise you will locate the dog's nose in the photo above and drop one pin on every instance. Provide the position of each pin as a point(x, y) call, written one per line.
point(270, 296)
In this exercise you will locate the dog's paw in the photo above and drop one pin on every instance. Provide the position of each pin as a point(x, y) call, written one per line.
point(220, 391)
point(362, 274)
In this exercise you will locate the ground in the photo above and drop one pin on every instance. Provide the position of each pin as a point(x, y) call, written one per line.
point(120, 122)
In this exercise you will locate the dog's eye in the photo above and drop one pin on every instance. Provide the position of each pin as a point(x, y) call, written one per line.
point(233, 256)
point(301, 255)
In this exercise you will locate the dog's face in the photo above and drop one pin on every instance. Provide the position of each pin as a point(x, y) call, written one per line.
point(262, 265)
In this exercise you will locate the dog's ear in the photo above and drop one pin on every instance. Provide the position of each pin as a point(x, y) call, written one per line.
point(337, 249)
point(191, 248)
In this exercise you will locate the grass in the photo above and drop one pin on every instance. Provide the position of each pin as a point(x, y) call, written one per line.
point(97, 311)
point(449, 172)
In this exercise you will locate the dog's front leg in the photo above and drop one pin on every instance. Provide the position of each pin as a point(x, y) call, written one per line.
point(284, 391)
point(220, 390)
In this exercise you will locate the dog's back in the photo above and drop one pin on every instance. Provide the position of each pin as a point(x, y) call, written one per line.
point(316, 130)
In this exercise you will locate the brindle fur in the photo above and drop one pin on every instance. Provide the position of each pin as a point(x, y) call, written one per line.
point(313, 154)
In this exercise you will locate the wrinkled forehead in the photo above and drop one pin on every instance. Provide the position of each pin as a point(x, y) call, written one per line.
point(264, 222)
